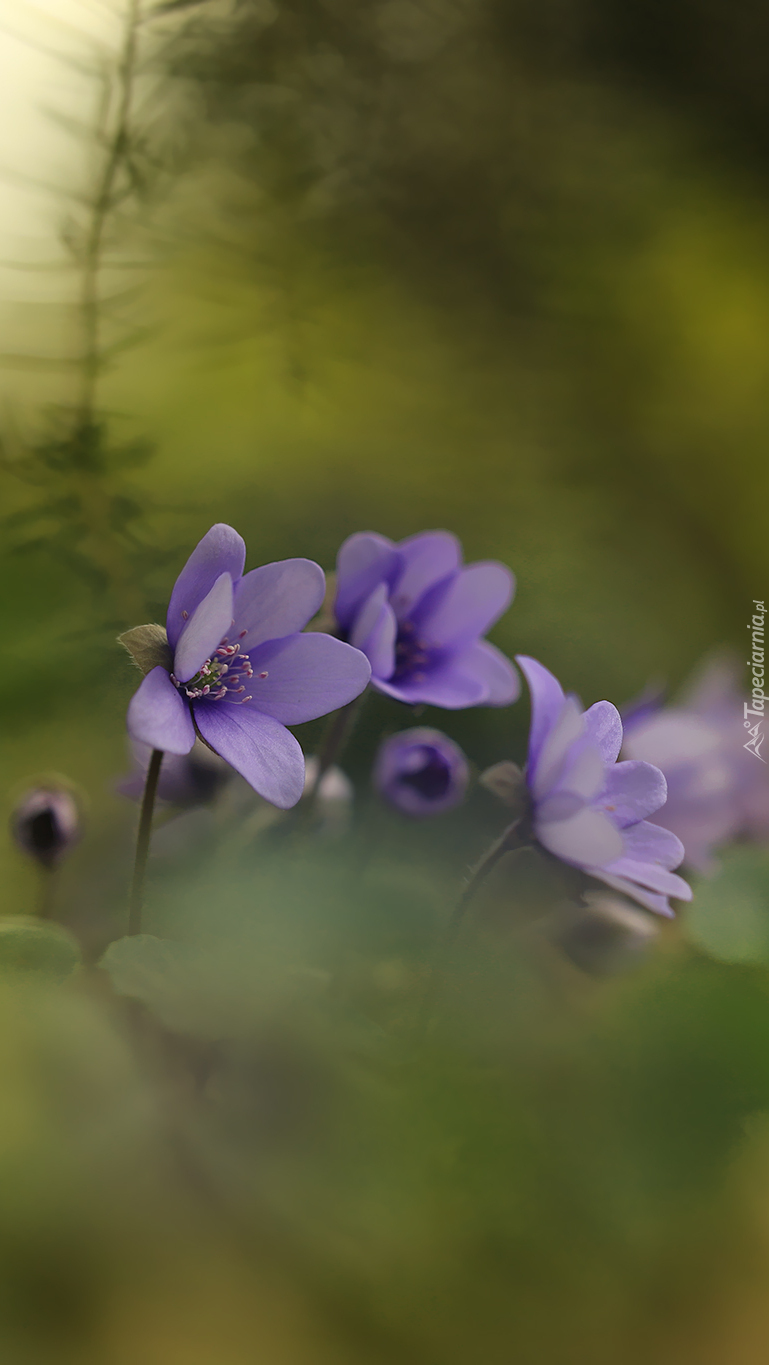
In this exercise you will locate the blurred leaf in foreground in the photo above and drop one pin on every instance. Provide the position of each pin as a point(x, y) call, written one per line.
point(28, 946)
point(729, 917)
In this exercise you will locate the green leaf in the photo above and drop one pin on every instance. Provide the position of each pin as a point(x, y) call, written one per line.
point(148, 647)
point(144, 967)
point(34, 947)
point(729, 916)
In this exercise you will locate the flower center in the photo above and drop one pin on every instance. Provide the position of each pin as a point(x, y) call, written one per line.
point(225, 674)
point(432, 779)
point(412, 655)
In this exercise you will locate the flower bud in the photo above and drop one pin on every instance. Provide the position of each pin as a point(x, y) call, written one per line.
point(508, 783)
point(605, 936)
point(421, 772)
point(333, 804)
point(46, 822)
point(186, 780)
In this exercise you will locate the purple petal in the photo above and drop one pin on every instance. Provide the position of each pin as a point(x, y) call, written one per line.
point(277, 600)
point(567, 730)
point(647, 843)
point(547, 698)
point(158, 716)
point(647, 703)
point(446, 686)
point(659, 904)
point(256, 746)
point(672, 737)
point(650, 875)
point(220, 551)
point(560, 805)
point(490, 666)
point(584, 771)
point(306, 676)
point(427, 559)
point(633, 790)
point(700, 810)
point(422, 752)
point(459, 611)
point(587, 839)
point(374, 631)
point(604, 726)
point(364, 561)
point(207, 626)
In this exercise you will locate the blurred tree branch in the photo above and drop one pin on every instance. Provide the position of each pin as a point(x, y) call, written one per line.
point(85, 513)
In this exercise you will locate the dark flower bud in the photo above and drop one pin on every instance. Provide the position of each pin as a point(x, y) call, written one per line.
point(46, 822)
point(421, 772)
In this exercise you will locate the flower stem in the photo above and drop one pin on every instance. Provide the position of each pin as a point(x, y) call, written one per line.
point(143, 842)
point(509, 840)
point(338, 731)
point(46, 892)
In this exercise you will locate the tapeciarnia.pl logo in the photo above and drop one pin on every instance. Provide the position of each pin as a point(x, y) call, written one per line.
point(755, 707)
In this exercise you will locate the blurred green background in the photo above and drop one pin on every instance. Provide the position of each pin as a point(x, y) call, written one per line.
point(496, 266)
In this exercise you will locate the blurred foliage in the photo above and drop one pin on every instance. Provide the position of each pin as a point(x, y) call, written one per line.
point(730, 914)
point(504, 268)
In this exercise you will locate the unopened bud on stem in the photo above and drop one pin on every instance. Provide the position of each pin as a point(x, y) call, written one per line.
point(46, 822)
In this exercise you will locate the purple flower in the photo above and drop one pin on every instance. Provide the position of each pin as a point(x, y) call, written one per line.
point(186, 780)
point(421, 771)
point(45, 823)
point(238, 670)
point(717, 790)
point(418, 616)
point(588, 809)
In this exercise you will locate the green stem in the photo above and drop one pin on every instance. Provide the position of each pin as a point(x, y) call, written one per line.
point(338, 731)
point(509, 840)
point(143, 843)
point(46, 892)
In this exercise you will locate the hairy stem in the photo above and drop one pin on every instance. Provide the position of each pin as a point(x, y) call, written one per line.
point(143, 843)
point(338, 731)
point(509, 840)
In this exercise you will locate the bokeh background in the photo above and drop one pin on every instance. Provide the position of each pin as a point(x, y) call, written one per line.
point(492, 265)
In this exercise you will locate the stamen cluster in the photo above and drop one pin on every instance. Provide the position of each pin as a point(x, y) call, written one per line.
point(227, 661)
point(412, 654)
